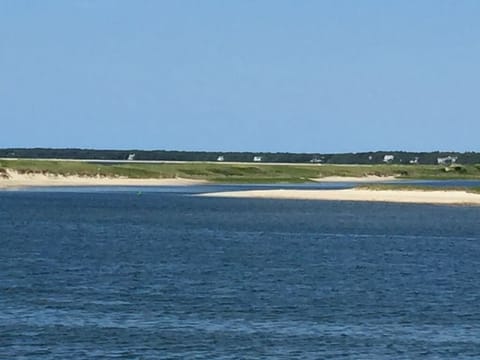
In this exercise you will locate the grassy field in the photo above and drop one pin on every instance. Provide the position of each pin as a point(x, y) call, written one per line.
point(236, 173)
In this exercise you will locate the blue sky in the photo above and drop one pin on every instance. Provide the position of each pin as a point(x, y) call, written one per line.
point(271, 75)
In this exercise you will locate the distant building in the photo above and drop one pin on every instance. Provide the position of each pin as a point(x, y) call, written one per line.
point(257, 158)
point(316, 160)
point(414, 161)
point(131, 157)
point(388, 158)
point(447, 160)
point(220, 158)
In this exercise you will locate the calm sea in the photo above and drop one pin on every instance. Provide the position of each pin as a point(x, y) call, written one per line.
point(138, 274)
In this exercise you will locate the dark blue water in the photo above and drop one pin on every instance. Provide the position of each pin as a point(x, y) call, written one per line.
point(239, 187)
point(119, 275)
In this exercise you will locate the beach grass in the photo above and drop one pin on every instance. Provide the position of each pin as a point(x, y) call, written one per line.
point(235, 173)
point(416, 187)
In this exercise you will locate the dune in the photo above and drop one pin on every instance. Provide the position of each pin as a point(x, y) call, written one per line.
point(12, 179)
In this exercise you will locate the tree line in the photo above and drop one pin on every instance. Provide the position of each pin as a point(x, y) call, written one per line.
point(378, 157)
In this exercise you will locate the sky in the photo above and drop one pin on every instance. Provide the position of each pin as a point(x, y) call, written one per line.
point(268, 75)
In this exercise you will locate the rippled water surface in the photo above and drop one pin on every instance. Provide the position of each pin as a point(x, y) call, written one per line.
point(129, 275)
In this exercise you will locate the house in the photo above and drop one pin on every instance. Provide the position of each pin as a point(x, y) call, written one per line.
point(414, 161)
point(220, 158)
point(131, 157)
point(449, 160)
point(388, 158)
point(257, 158)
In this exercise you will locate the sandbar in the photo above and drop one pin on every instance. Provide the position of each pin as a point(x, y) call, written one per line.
point(450, 197)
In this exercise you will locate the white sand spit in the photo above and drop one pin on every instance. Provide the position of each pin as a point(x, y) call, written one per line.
point(398, 196)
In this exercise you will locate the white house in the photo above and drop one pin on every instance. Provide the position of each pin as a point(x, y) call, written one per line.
point(388, 158)
point(131, 157)
point(447, 160)
point(220, 158)
point(257, 158)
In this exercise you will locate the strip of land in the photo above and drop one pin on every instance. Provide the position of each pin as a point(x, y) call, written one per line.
point(450, 197)
point(34, 173)
point(355, 179)
point(13, 180)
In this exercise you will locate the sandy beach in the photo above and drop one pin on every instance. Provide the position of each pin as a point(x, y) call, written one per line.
point(397, 196)
point(16, 180)
point(363, 179)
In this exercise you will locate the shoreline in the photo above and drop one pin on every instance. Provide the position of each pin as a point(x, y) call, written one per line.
point(13, 180)
point(361, 179)
point(438, 197)
point(18, 181)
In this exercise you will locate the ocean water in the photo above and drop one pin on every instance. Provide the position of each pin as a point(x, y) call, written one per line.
point(91, 274)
